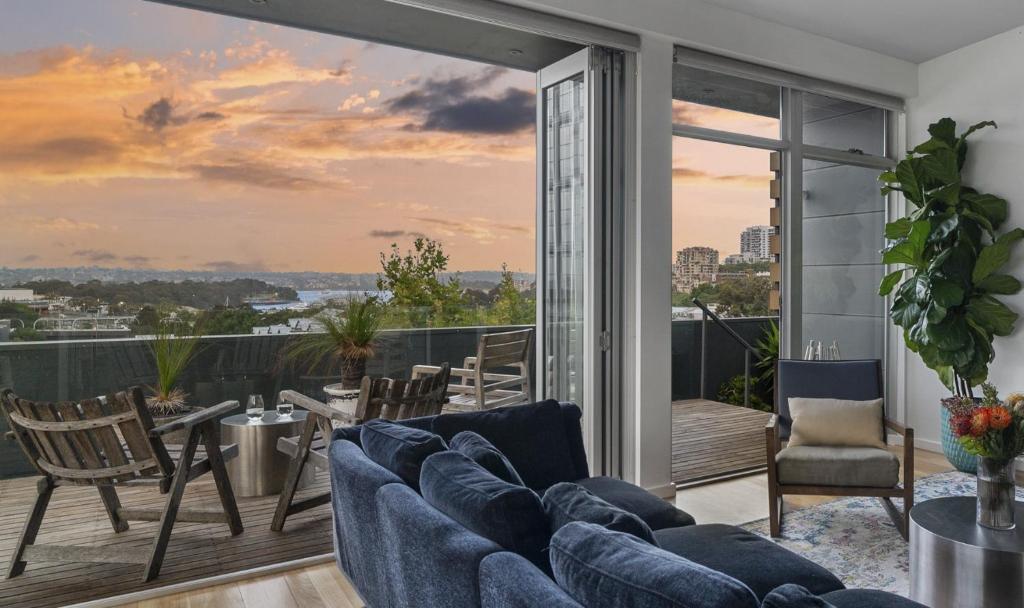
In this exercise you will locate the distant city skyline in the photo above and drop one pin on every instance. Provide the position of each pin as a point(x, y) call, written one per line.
point(148, 136)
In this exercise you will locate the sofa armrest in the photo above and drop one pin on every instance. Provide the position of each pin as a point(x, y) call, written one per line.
point(508, 580)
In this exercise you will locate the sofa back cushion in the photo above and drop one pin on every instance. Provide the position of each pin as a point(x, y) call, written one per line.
point(483, 452)
point(533, 437)
point(600, 567)
point(399, 449)
point(567, 502)
point(507, 514)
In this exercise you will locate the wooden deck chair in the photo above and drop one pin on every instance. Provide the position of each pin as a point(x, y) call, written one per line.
point(481, 387)
point(381, 398)
point(81, 444)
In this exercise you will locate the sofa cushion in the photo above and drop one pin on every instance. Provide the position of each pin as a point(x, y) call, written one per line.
point(351, 433)
point(793, 596)
point(568, 502)
point(507, 514)
point(483, 452)
point(868, 598)
point(762, 565)
point(507, 580)
point(532, 437)
point(838, 466)
point(600, 567)
point(399, 449)
point(656, 512)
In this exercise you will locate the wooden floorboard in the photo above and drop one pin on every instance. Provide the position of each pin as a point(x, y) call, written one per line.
point(712, 439)
point(196, 550)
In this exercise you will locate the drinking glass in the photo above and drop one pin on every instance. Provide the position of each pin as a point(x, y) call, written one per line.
point(284, 409)
point(254, 409)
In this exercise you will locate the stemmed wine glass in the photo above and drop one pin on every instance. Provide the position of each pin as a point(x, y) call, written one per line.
point(254, 409)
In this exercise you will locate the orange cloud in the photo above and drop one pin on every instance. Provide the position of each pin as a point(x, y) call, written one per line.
point(687, 175)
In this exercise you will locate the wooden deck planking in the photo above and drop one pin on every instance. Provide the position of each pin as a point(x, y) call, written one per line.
point(196, 550)
point(712, 439)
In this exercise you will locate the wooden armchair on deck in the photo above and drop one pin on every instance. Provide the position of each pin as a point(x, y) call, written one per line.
point(481, 387)
point(378, 398)
point(81, 444)
point(835, 471)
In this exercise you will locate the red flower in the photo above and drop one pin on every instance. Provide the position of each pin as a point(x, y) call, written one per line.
point(980, 421)
point(961, 425)
point(999, 417)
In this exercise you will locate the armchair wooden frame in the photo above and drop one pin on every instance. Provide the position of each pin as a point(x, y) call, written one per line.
point(378, 398)
point(110, 442)
point(478, 387)
point(776, 490)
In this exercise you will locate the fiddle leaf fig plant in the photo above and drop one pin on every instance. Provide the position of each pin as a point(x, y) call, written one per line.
point(949, 251)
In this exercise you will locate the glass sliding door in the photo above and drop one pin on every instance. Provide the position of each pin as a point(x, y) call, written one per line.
point(580, 189)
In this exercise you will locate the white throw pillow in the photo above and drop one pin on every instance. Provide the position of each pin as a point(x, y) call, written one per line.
point(836, 422)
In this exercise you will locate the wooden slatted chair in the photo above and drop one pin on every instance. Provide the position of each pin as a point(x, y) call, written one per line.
point(378, 398)
point(81, 443)
point(481, 387)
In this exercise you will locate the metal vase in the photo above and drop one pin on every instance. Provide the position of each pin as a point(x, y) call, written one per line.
point(996, 493)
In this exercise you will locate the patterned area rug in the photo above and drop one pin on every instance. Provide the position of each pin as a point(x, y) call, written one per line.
point(856, 540)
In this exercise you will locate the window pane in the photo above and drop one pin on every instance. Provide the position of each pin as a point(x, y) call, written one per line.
point(843, 125)
point(844, 216)
point(717, 101)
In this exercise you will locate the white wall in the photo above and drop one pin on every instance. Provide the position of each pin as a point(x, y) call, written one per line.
point(983, 81)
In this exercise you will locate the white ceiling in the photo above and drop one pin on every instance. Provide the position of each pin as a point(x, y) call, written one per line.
point(914, 30)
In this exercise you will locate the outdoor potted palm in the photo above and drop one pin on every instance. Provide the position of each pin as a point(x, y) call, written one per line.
point(348, 341)
point(167, 401)
point(949, 250)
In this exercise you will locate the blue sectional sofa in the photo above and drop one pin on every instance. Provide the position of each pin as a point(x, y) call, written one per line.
point(400, 551)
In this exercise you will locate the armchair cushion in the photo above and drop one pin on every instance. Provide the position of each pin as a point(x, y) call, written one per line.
point(600, 567)
point(399, 449)
point(507, 514)
point(568, 502)
point(656, 512)
point(836, 422)
point(751, 559)
point(483, 452)
point(810, 465)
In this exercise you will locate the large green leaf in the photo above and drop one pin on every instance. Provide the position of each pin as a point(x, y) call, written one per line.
point(944, 227)
point(944, 129)
point(900, 253)
point(946, 293)
point(995, 255)
point(992, 207)
point(951, 334)
point(936, 312)
point(916, 289)
point(991, 314)
point(959, 264)
point(941, 166)
point(1002, 284)
point(918, 237)
point(931, 145)
point(909, 172)
point(898, 229)
point(905, 313)
point(971, 129)
point(889, 281)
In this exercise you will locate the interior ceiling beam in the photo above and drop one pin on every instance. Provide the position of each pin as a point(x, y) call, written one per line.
point(478, 30)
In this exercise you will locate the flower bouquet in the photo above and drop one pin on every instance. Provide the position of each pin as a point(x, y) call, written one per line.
point(993, 430)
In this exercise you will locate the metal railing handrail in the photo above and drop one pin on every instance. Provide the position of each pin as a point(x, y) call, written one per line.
point(747, 350)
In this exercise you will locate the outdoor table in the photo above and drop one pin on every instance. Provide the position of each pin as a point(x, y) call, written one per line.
point(259, 469)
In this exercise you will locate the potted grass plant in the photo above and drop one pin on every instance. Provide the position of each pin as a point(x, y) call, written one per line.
point(349, 339)
point(167, 400)
point(949, 253)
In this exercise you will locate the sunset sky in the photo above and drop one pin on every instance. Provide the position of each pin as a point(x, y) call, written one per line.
point(145, 136)
point(140, 135)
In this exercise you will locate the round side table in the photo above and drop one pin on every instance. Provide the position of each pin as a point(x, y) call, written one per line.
point(259, 469)
point(955, 563)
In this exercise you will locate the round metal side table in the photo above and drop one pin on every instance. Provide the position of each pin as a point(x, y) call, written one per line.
point(259, 469)
point(956, 563)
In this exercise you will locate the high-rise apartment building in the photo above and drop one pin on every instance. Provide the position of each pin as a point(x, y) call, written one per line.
point(754, 244)
point(693, 266)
